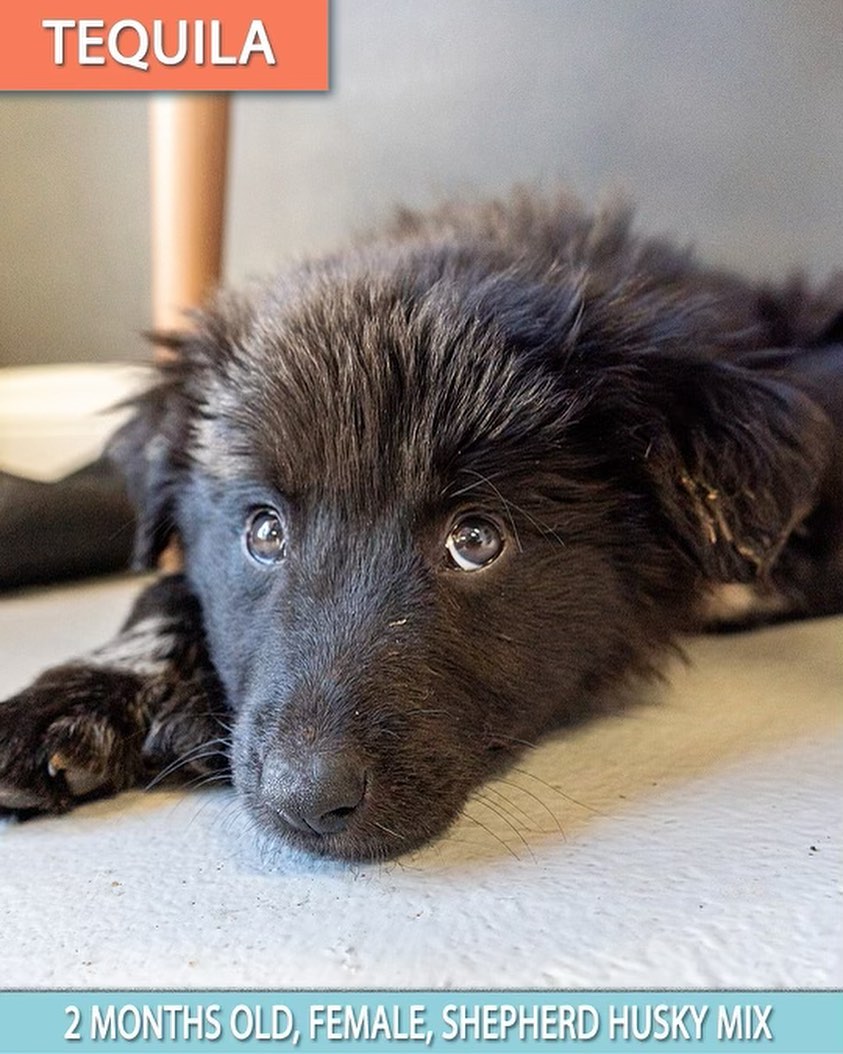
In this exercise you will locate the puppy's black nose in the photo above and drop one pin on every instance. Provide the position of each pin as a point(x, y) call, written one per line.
point(317, 795)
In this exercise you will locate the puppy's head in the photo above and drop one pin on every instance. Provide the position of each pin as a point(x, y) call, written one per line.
point(431, 511)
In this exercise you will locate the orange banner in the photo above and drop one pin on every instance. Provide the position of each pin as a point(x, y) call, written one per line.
point(144, 45)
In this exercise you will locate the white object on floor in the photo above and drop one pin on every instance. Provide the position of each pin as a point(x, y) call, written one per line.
point(693, 841)
point(56, 419)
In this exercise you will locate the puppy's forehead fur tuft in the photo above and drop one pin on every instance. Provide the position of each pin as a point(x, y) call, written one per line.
point(340, 391)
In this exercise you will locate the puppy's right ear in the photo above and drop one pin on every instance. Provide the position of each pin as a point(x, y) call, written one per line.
point(148, 450)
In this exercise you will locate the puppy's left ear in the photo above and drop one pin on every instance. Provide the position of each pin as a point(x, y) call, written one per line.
point(737, 459)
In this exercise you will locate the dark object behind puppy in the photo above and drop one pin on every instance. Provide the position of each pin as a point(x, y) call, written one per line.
point(438, 495)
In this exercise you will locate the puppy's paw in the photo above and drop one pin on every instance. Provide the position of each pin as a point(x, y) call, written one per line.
point(76, 733)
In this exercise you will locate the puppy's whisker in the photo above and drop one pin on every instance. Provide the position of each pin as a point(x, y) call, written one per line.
point(197, 753)
point(561, 793)
point(515, 739)
point(535, 798)
point(172, 769)
point(501, 813)
point(491, 833)
point(517, 811)
point(203, 780)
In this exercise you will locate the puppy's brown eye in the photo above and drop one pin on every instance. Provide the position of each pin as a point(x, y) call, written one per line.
point(474, 542)
point(264, 537)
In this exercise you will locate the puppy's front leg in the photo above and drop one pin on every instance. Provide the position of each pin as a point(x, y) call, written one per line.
point(147, 701)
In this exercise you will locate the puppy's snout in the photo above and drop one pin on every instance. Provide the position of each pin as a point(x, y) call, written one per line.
point(315, 795)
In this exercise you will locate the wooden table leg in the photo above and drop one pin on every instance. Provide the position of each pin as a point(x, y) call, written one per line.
point(188, 151)
point(188, 147)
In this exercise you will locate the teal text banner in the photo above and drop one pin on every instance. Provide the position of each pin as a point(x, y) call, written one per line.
point(383, 1021)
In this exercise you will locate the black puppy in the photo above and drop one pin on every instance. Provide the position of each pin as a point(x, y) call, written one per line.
point(437, 495)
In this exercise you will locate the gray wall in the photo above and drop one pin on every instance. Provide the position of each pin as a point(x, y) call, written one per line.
point(723, 119)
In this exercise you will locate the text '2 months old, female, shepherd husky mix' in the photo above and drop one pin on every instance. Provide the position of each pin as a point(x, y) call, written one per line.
point(436, 495)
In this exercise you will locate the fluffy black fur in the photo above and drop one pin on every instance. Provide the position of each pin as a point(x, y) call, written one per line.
point(641, 431)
